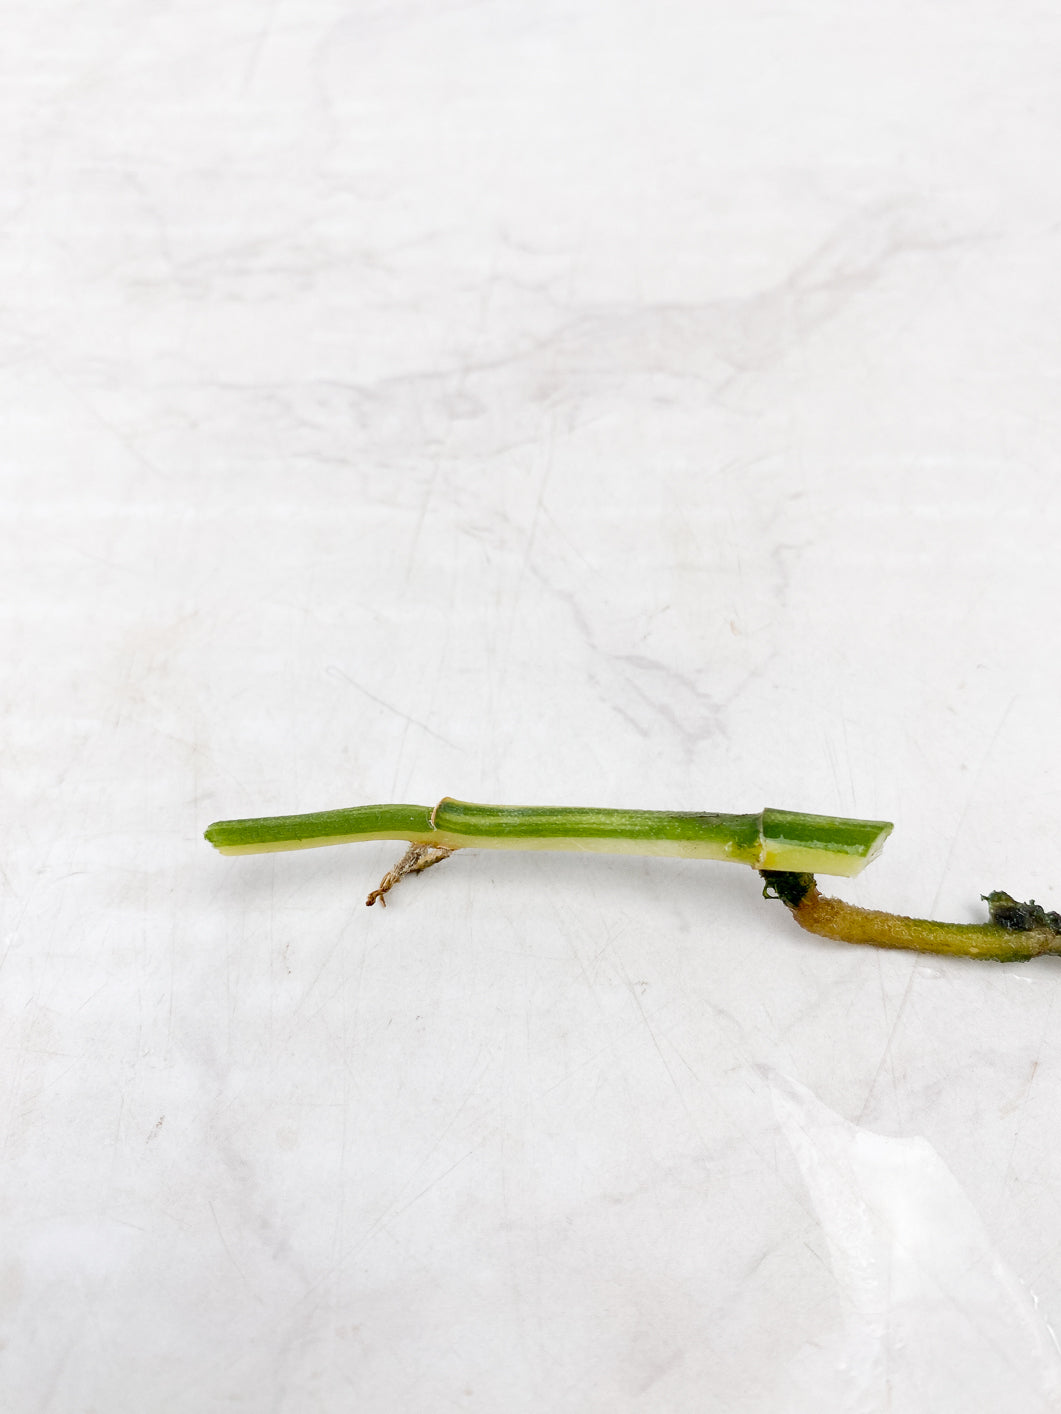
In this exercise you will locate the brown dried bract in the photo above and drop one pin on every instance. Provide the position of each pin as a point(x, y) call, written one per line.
point(415, 858)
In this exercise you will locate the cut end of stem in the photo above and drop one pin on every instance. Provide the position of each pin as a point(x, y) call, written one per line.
point(793, 842)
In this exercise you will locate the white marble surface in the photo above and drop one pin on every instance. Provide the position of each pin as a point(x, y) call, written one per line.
point(563, 403)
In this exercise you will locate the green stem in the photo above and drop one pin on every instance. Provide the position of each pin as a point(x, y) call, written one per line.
point(773, 839)
point(787, 847)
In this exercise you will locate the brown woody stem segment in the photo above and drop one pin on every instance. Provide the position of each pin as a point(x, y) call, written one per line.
point(1016, 932)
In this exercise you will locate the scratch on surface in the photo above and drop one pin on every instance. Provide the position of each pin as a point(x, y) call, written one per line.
point(639, 1003)
point(258, 44)
point(229, 1255)
point(885, 1056)
point(543, 483)
point(399, 1203)
point(969, 798)
point(337, 672)
point(1022, 1099)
